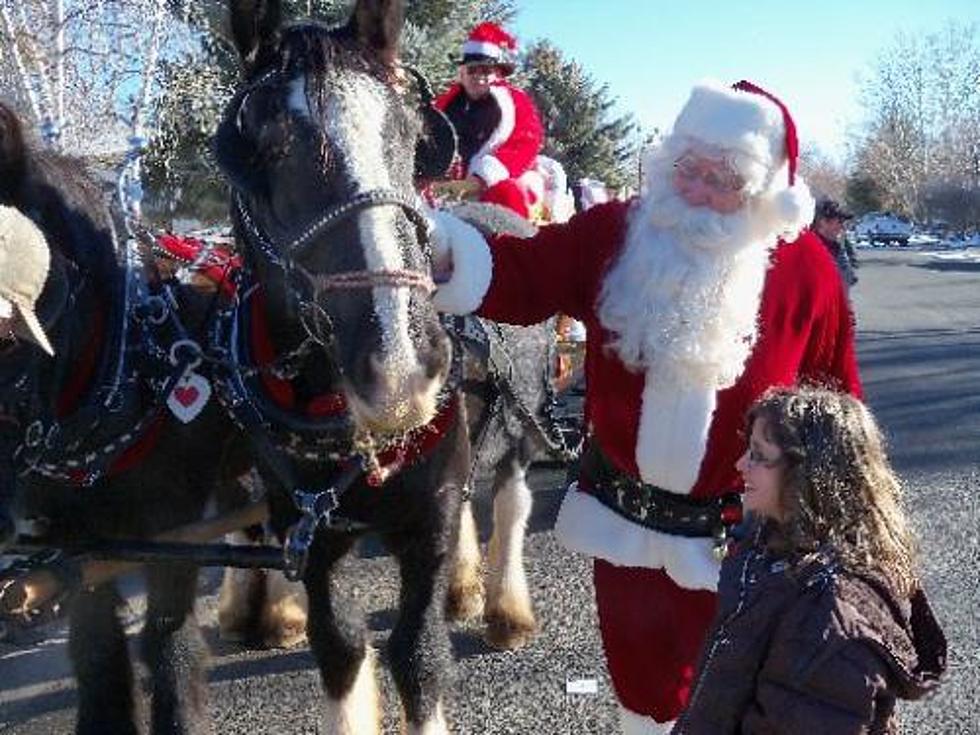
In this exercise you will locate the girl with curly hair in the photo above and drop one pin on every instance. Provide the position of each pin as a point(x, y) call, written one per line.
point(822, 624)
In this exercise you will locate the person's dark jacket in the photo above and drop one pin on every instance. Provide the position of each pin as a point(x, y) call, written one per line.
point(810, 648)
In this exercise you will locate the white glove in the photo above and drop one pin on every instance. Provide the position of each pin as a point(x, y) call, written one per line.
point(449, 233)
point(461, 263)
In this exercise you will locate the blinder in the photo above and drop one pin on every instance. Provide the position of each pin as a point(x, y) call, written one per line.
point(234, 152)
point(436, 149)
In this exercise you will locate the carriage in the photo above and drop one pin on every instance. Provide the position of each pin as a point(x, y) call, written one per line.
point(324, 367)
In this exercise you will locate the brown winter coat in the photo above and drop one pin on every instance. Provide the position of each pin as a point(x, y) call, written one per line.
point(811, 649)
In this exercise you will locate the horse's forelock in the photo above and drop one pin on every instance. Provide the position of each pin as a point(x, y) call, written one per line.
point(315, 49)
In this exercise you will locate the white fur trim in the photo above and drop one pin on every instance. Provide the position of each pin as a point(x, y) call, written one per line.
point(490, 170)
point(483, 163)
point(673, 433)
point(483, 47)
point(737, 121)
point(472, 264)
point(632, 723)
point(793, 208)
point(587, 526)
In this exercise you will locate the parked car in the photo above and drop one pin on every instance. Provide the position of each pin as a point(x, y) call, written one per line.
point(882, 227)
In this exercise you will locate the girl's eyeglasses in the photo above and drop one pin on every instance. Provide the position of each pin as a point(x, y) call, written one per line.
point(757, 459)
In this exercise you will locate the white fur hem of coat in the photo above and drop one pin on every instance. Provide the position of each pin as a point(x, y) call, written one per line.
point(631, 723)
point(587, 526)
point(673, 433)
point(472, 271)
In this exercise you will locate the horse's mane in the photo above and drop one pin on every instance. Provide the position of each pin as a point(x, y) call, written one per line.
point(60, 193)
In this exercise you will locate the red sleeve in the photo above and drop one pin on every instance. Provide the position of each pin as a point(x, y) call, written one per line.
point(518, 152)
point(830, 357)
point(557, 270)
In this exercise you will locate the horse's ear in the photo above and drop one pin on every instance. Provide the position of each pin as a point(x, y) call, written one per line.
point(255, 27)
point(378, 25)
point(13, 154)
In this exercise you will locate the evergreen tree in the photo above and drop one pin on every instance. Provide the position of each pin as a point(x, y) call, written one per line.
point(863, 194)
point(580, 129)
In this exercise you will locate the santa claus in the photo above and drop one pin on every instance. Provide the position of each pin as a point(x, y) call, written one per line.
point(697, 296)
point(498, 127)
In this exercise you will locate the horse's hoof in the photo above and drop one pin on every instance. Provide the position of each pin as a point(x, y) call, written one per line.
point(507, 632)
point(464, 603)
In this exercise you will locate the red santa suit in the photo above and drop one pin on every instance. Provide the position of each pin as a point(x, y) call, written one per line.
point(656, 591)
point(500, 136)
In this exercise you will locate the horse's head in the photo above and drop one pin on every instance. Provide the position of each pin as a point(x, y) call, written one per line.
point(319, 147)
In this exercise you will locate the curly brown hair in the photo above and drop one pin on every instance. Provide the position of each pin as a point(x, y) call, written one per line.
point(839, 489)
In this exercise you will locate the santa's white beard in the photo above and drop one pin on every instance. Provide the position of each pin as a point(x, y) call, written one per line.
point(682, 299)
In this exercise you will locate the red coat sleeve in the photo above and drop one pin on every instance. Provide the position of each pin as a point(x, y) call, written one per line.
point(558, 270)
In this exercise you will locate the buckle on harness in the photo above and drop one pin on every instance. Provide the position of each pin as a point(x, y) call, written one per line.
point(315, 508)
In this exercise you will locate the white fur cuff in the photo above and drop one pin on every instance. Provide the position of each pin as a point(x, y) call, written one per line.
point(472, 264)
point(490, 170)
point(631, 723)
point(587, 526)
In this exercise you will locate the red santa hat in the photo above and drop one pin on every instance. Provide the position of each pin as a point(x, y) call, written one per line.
point(756, 129)
point(488, 43)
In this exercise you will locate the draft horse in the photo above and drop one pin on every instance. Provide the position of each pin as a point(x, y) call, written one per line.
point(344, 371)
point(92, 450)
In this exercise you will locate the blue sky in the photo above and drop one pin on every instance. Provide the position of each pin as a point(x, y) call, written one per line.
point(651, 52)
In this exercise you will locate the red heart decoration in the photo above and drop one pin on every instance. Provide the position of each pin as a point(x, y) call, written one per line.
point(186, 395)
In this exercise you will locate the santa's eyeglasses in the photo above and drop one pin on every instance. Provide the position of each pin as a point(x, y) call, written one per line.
point(481, 70)
point(715, 175)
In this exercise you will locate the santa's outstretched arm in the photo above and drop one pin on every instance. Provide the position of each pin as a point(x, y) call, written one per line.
point(511, 279)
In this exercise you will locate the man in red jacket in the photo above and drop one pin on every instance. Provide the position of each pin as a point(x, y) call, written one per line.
point(497, 124)
point(697, 296)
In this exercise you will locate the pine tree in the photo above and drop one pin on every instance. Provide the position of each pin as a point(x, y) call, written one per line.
point(581, 131)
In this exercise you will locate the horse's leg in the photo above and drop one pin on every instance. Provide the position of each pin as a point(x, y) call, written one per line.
point(419, 648)
point(175, 651)
point(465, 598)
point(258, 607)
point(509, 616)
point(338, 643)
point(242, 595)
point(97, 647)
point(255, 607)
point(283, 622)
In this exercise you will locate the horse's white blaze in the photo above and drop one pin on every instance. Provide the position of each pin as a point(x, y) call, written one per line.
point(506, 581)
point(435, 725)
point(359, 712)
point(354, 122)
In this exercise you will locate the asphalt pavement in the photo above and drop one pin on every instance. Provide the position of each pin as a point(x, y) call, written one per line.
point(919, 349)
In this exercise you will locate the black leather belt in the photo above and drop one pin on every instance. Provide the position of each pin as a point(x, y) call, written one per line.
point(656, 508)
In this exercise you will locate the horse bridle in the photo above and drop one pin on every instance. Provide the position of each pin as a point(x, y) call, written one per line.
point(286, 257)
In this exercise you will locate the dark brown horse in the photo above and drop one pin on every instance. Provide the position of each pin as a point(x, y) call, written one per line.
point(90, 448)
point(343, 363)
